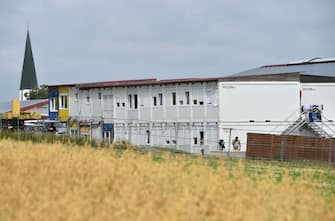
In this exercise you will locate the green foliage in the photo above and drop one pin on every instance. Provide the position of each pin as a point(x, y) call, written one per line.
point(49, 138)
point(213, 164)
point(41, 93)
point(157, 159)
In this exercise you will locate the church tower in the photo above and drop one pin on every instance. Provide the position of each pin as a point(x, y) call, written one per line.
point(28, 76)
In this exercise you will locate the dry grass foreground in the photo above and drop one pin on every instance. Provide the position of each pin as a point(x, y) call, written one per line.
point(57, 182)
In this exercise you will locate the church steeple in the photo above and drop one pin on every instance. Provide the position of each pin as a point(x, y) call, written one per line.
point(28, 77)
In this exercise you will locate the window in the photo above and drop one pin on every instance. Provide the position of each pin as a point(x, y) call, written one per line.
point(155, 101)
point(210, 96)
point(148, 136)
point(123, 104)
point(174, 98)
point(88, 99)
point(63, 102)
point(53, 104)
point(195, 101)
point(201, 102)
point(130, 101)
point(195, 140)
point(118, 104)
point(160, 97)
point(181, 102)
point(187, 97)
point(76, 96)
point(105, 135)
point(99, 95)
point(135, 101)
point(202, 138)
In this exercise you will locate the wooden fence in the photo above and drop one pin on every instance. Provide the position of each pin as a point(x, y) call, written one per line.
point(288, 147)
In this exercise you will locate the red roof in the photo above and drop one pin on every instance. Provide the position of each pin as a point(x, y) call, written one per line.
point(138, 82)
point(36, 105)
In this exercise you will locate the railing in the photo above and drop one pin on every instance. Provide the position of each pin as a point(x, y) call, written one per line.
point(288, 119)
point(319, 130)
point(327, 126)
point(302, 120)
point(296, 125)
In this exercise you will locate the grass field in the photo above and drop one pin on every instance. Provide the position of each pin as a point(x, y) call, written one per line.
point(64, 182)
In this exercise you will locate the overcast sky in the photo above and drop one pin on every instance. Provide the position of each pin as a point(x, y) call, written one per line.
point(95, 40)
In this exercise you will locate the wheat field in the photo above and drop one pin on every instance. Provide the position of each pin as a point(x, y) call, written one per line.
point(64, 182)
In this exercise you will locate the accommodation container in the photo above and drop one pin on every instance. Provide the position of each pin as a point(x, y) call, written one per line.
point(191, 114)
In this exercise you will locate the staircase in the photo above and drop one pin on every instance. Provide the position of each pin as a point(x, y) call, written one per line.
point(294, 126)
point(316, 129)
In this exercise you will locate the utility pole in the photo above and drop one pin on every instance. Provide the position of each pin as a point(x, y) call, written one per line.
point(176, 133)
point(130, 131)
point(18, 126)
point(229, 142)
point(330, 150)
point(282, 144)
point(91, 129)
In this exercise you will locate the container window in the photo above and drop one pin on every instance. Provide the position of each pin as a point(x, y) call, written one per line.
point(174, 98)
point(160, 97)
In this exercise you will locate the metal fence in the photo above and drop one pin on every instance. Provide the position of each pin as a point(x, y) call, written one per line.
point(288, 147)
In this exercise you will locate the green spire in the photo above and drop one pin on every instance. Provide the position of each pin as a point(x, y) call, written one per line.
point(28, 77)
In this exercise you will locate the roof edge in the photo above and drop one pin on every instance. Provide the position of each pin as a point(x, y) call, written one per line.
point(140, 82)
point(310, 62)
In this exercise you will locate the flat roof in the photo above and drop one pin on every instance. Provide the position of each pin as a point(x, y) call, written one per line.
point(310, 70)
point(314, 66)
point(137, 82)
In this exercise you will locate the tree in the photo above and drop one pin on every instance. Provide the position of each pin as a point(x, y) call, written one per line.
point(41, 93)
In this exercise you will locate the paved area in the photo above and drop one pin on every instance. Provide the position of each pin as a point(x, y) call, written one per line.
point(227, 154)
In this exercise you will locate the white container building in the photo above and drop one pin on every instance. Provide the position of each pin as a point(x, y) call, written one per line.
point(191, 114)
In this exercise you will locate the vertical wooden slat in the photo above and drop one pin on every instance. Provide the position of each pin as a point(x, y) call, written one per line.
point(288, 147)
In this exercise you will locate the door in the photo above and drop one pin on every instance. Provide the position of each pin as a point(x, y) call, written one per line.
point(108, 133)
point(108, 107)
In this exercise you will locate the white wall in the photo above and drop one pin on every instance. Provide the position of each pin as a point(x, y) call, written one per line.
point(205, 109)
point(226, 110)
point(73, 102)
point(169, 125)
point(228, 131)
point(171, 135)
point(258, 101)
point(239, 103)
point(272, 106)
point(107, 105)
point(320, 93)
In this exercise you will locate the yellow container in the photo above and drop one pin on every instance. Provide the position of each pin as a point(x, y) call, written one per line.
point(63, 90)
point(63, 115)
point(16, 107)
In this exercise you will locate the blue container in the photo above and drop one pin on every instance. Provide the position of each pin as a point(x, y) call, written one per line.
point(108, 127)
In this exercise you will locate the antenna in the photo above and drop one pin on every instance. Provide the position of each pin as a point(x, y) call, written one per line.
point(313, 59)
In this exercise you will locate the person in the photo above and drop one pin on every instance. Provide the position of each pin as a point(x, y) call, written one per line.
point(52, 128)
point(222, 145)
point(236, 144)
point(305, 110)
point(202, 150)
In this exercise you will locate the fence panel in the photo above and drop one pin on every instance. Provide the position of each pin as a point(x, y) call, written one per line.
point(289, 147)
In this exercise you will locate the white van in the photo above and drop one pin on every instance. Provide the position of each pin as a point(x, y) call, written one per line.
point(45, 126)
